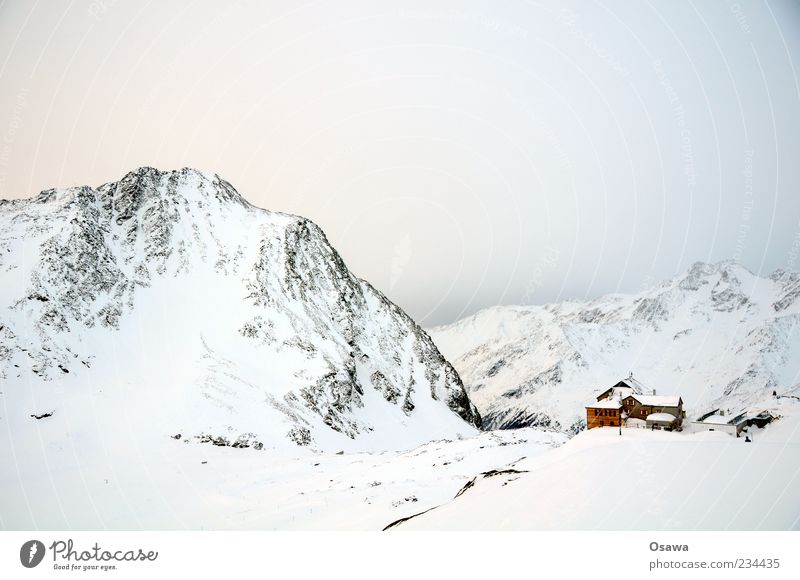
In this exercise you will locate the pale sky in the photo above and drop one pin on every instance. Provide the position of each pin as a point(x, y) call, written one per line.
point(458, 154)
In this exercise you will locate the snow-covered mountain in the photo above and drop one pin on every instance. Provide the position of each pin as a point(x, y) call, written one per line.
point(165, 303)
point(717, 335)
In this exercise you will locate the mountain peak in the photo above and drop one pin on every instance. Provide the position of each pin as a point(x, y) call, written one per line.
point(231, 320)
point(141, 184)
point(700, 273)
point(188, 183)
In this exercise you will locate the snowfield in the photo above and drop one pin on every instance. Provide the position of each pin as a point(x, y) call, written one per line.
point(161, 483)
point(642, 480)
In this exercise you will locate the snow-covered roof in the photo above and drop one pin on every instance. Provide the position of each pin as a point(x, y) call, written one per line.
point(659, 400)
point(637, 386)
point(624, 387)
point(622, 392)
point(661, 417)
point(714, 420)
point(605, 404)
point(633, 389)
point(616, 391)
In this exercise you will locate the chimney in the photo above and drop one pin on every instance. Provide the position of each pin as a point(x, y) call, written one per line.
point(654, 392)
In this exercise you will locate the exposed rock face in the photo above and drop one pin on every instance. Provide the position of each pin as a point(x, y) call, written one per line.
point(257, 305)
point(717, 335)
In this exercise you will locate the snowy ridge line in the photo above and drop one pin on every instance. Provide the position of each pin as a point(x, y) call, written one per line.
point(716, 335)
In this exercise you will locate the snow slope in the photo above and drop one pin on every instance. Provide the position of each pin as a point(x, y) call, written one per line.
point(182, 485)
point(643, 480)
point(164, 304)
point(717, 335)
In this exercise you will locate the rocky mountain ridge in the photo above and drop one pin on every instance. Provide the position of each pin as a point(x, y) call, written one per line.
point(168, 291)
point(717, 335)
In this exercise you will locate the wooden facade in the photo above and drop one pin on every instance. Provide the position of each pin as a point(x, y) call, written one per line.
point(640, 406)
point(602, 416)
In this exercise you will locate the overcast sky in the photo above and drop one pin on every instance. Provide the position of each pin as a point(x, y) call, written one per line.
point(458, 154)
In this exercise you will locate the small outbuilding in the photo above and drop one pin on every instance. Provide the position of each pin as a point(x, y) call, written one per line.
point(717, 420)
point(664, 421)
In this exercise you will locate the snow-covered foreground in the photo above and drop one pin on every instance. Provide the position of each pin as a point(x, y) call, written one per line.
point(163, 483)
point(597, 480)
point(642, 480)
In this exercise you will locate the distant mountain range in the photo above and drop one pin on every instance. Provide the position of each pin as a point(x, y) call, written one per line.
point(169, 295)
point(717, 335)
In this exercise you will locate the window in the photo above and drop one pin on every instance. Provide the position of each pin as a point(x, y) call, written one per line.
point(601, 422)
point(596, 412)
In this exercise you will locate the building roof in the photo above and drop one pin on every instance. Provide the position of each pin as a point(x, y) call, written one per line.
point(658, 400)
point(706, 415)
point(615, 391)
point(740, 418)
point(714, 419)
point(606, 404)
point(622, 392)
point(612, 397)
point(623, 388)
point(637, 386)
point(661, 418)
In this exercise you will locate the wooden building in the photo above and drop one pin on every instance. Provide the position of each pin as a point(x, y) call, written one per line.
point(642, 406)
point(606, 413)
point(626, 400)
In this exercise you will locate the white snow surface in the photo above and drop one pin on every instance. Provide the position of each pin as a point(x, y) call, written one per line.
point(147, 484)
point(642, 480)
point(717, 335)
